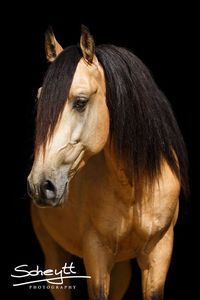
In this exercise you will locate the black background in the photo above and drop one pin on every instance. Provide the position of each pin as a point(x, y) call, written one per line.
point(165, 38)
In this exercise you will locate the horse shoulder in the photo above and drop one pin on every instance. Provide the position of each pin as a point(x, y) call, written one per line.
point(166, 195)
point(159, 208)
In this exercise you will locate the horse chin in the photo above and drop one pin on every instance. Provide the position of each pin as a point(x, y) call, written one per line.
point(51, 204)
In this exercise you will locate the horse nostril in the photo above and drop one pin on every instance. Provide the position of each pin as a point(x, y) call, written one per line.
point(48, 185)
point(48, 189)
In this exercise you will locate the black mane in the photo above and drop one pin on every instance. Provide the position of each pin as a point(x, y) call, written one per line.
point(55, 89)
point(143, 128)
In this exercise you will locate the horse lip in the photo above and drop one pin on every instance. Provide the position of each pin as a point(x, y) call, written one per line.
point(56, 203)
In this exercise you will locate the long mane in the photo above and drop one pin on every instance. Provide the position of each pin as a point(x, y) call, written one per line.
point(143, 128)
point(55, 89)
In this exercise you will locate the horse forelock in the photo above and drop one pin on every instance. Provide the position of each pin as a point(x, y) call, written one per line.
point(54, 93)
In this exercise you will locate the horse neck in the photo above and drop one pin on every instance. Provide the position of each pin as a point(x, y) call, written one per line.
point(117, 175)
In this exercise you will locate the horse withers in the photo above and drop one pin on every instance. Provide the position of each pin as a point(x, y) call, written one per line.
point(109, 165)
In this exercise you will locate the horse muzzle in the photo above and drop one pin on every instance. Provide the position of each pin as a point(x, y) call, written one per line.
point(46, 193)
point(48, 186)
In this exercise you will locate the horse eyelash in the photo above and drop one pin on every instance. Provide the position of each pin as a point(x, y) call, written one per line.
point(80, 100)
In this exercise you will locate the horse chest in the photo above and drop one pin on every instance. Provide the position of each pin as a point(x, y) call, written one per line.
point(115, 227)
point(130, 230)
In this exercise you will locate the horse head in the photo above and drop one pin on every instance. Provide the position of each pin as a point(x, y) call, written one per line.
point(72, 121)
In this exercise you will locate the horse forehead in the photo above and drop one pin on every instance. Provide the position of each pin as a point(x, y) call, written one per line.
point(87, 75)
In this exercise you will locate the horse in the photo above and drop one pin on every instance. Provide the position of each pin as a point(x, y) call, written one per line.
point(109, 165)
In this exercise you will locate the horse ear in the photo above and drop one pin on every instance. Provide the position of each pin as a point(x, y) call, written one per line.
point(87, 44)
point(52, 47)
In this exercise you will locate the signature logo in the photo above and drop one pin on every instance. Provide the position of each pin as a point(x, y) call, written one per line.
point(51, 276)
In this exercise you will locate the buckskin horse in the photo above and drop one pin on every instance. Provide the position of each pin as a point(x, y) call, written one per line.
point(109, 164)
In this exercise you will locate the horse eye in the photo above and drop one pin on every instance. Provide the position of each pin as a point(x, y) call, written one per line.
point(80, 104)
